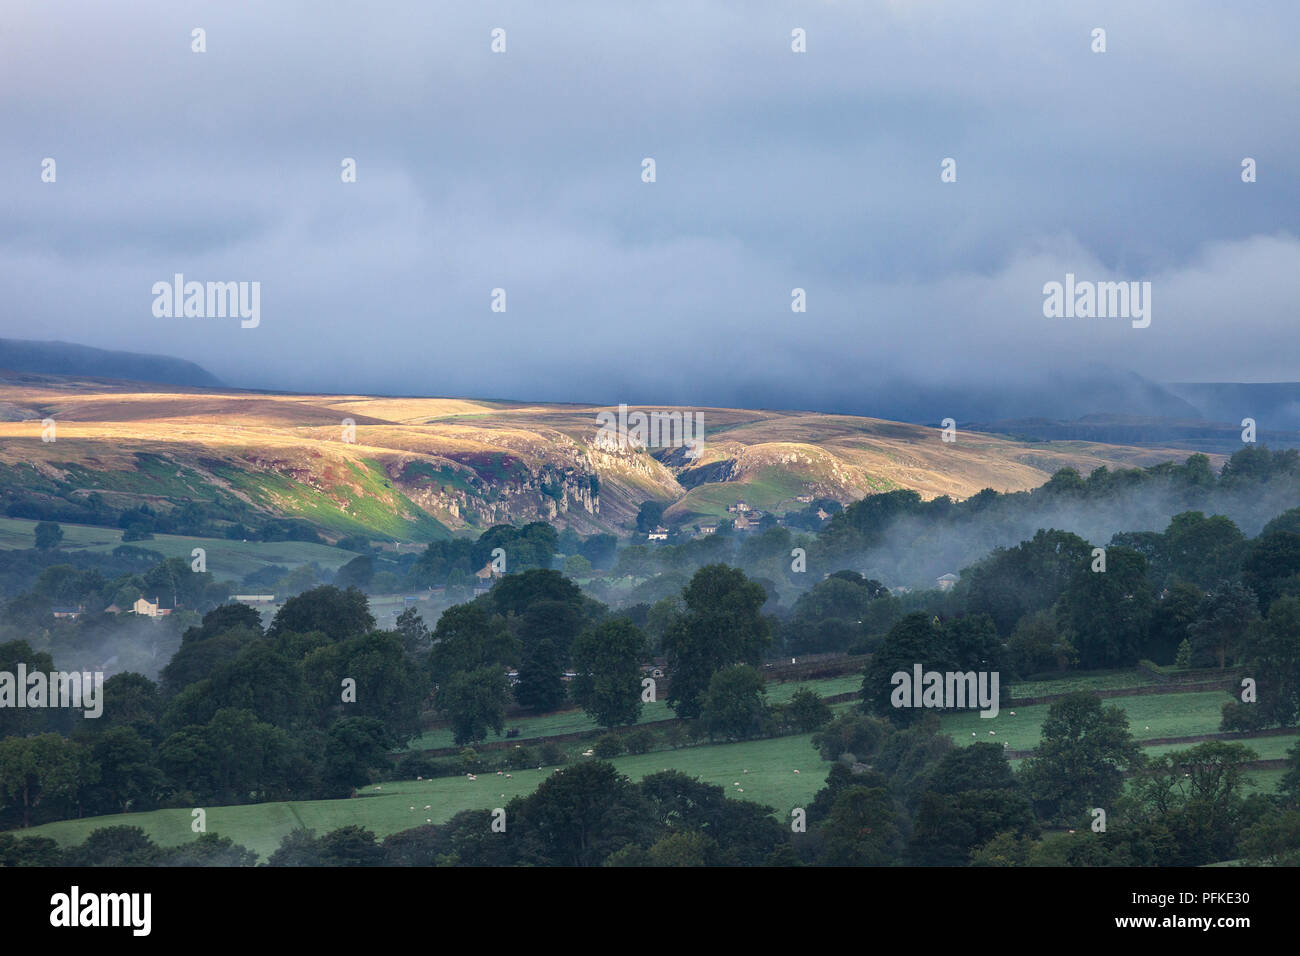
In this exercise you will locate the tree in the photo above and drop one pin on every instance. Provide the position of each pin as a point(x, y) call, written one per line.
point(354, 745)
point(131, 700)
point(48, 535)
point(24, 721)
point(40, 768)
point(357, 573)
point(1036, 646)
point(861, 829)
point(235, 758)
point(1202, 550)
point(516, 593)
point(1082, 757)
point(1012, 582)
point(1175, 610)
point(207, 849)
point(416, 639)
point(474, 702)
point(649, 515)
point(299, 847)
point(1198, 794)
point(541, 678)
point(1272, 559)
point(972, 796)
point(200, 657)
point(734, 704)
point(916, 639)
point(722, 625)
point(335, 613)
point(114, 846)
point(684, 849)
point(225, 618)
point(262, 679)
point(387, 687)
point(547, 619)
point(128, 780)
point(1106, 613)
point(1273, 648)
point(350, 846)
point(1274, 840)
point(600, 550)
point(576, 566)
point(466, 638)
point(808, 710)
point(852, 734)
point(580, 815)
point(606, 664)
point(949, 827)
point(1223, 619)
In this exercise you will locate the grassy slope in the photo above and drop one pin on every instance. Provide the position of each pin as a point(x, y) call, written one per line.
point(770, 778)
point(386, 809)
point(227, 560)
point(575, 721)
point(1167, 715)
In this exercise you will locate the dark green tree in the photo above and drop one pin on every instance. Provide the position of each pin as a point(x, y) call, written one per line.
point(722, 625)
point(1081, 759)
point(734, 704)
point(606, 664)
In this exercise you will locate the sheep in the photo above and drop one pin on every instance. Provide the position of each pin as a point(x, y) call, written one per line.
point(412, 809)
point(1013, 713)
point(428, 820)
point(796, 771)
point(507, 776)
point(500, 772)
point(993, 733)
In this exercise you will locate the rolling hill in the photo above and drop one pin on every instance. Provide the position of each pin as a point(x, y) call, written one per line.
point(419, 469)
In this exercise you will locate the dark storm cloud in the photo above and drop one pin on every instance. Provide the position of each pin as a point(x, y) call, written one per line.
point(775, 171)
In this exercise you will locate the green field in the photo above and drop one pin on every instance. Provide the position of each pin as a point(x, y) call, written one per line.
point(1166, 715)
point(1266, 748)
point(575, 721)
point(1116, 680)
point(227, 560)
point(385, 808)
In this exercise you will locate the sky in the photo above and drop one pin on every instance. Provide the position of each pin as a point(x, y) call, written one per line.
point(774, 170)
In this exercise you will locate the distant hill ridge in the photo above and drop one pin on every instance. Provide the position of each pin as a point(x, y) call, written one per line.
point(66, 358)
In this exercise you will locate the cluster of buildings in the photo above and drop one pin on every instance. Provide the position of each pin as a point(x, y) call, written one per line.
point(158, 607)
